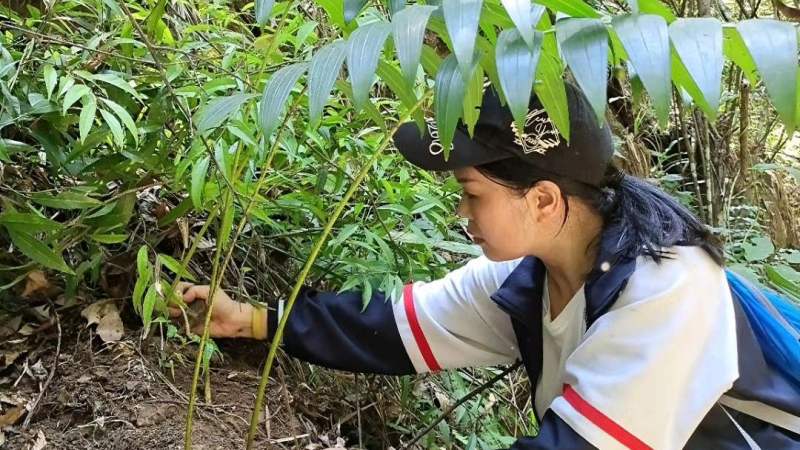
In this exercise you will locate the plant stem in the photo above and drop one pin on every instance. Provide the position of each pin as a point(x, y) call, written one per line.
point(262, 384)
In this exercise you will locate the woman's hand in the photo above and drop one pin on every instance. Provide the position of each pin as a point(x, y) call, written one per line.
point(229, 318)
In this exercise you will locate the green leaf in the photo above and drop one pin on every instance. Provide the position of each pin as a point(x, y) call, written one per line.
point(352, 8)
point(276, 92)
point(550, 89)
point(516, 67)
point(473, 97)
point(461, 18)
point(114, 126)
point(73, 95)
point(735, 49)
point(214, 113)
point(199, 181)
point(758, 249)
point(31, 223)
point(685, 82)
point(37, 251)
point(525, 16)
point(87, 115)
point(363, 50)
point(123, 115)
point(322, 74)
point(153, 19)
point(572, 8)
point(175, 266)
point(50, 79)
point(109, 238)
point(782, 278)
point(448, 99)
point(773, 46)
point(65, 200)
point(654, 7)
point(144, 271)
point(263, 10)
point(148, 305)
point(394, 80)
point(408, 29)
point(584, 47)
point(116, 81)
point(698, 43)
point(646, 42)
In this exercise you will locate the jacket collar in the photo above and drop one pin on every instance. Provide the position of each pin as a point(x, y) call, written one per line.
point(521, 294)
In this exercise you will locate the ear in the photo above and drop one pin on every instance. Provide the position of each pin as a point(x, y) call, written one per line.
point(545, 200)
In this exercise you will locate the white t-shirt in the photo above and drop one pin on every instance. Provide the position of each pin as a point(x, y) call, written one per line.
point(560, 337)
point(644, 374)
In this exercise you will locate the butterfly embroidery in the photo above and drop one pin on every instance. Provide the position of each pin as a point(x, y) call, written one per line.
point(540, 135)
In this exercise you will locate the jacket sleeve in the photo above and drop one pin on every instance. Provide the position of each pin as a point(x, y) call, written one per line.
point(554, 433)
point(446, 323)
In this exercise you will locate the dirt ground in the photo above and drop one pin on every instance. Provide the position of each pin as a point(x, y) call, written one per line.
point(124, 395)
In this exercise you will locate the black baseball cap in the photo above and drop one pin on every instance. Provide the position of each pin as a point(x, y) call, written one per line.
point(584, 158)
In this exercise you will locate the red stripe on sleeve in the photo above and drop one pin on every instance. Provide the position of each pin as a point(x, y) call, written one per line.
point(602, 421)
point(416, 330)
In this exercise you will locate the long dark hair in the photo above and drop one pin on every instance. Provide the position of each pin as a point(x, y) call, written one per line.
point(647, 219)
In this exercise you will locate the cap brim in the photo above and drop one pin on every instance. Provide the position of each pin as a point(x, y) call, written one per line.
point(422, 151)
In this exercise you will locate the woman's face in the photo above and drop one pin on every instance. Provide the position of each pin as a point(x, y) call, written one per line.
point(505, 224)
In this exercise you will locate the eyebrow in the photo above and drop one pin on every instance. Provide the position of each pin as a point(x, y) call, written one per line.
point(465, 179)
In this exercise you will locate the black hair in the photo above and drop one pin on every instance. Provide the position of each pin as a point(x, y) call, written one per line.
point(650, 220)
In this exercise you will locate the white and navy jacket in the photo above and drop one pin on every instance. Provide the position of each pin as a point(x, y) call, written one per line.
point(668, 359)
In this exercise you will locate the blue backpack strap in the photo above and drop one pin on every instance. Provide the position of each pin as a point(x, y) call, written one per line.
point(776, 323)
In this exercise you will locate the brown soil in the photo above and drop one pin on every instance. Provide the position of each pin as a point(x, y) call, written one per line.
point(124, 395)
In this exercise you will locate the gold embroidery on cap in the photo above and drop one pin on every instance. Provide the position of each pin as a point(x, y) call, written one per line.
point(541, 135)
point(435, 146)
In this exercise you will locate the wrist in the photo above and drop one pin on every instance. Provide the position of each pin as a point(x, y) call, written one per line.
point(258, 323)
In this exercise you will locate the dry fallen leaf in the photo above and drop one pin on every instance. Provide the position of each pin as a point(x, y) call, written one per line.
point(106, 315)
point(40, 443)
point(12, 416)
point(36, 283)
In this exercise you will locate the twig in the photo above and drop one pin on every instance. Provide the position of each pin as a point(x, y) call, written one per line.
point(461, 401)
point(52, 371)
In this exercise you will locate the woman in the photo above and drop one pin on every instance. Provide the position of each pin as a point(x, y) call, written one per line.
point(611, 293)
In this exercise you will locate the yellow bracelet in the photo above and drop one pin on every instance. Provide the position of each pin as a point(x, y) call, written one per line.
point(258, 323)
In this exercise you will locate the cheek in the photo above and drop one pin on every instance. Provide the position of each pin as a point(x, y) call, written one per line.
point(505, 231)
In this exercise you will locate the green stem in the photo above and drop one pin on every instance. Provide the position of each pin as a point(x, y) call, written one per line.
point(262, 384)
point(216, 277)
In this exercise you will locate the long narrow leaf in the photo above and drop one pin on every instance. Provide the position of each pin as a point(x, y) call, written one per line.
point(584, 47)
point(113, 124)
point(461, 19)
point(698, 43)
point(448, 99)
point(520, 12)
point(88, 112)
point(549, 88)
point(473, 97)
point(263, 10)
point(214, 113)
point(276, 92)
point(352, 8)
point(124, 116)
point(516, 67)
point(646, 42)
point(394, 80)
point(364, 49)
point(325, 67)
point(408, 29)
point(773, 46)
point(572, 8)
point(37, 251)
point(199, 181)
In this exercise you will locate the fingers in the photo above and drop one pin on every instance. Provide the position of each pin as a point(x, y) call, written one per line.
point(196, 292)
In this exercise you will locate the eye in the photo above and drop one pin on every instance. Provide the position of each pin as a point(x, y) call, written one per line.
point(470, 195)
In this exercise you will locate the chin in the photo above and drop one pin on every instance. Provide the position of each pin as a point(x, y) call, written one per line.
point(496, 256)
